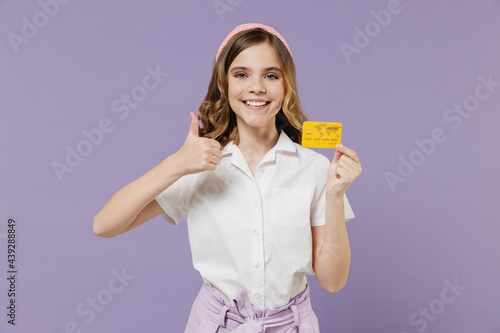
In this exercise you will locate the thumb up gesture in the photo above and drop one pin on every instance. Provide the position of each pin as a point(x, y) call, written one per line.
point(198, 154)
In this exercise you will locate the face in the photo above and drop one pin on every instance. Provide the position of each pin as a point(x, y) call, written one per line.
point(256, 87)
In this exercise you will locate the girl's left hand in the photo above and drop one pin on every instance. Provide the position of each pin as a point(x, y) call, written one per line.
point(344, 168)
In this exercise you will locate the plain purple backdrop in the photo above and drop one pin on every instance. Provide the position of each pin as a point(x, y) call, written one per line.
point(408, 242)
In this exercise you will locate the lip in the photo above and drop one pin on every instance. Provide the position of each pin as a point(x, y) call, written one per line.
point(256, 107)
point(255, 100)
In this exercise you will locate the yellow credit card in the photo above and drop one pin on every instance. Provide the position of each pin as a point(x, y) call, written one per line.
point(319, 134)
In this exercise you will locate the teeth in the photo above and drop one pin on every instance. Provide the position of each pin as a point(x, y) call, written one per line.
point(255, 103)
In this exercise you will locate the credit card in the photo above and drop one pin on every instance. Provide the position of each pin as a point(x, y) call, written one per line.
point(319, 134)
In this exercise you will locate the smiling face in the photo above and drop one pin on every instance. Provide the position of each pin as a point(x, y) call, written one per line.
point(256, 87)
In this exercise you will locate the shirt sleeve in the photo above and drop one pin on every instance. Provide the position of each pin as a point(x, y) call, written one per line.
point(174, 200)
point(318, 205)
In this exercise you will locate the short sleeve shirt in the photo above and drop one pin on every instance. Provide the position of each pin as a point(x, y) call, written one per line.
point(254, 231)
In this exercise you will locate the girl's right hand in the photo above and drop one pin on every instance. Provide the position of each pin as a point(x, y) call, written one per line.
point(198, 154)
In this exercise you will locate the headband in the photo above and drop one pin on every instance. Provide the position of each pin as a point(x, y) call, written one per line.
point(248, 26)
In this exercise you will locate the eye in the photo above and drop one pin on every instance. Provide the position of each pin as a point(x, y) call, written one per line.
point(275, 77)
point(237, 75)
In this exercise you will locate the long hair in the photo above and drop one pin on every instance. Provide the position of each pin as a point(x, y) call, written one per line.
point(217, 118)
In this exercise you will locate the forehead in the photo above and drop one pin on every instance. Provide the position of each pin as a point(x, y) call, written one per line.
point(257, 56)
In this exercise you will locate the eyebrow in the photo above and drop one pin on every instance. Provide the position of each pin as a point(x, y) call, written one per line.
point(243, 68)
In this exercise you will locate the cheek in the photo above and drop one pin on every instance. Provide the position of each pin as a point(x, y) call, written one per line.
point(278, 96)
point(233, 97)
point(233, 86)
point(232, 104)
point(278, 92)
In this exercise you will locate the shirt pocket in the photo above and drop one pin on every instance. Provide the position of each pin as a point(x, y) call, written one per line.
point(290, 207)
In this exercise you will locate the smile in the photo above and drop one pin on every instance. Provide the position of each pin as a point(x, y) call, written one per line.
point(256, 104)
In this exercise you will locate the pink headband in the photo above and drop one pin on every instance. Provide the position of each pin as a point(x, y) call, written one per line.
point(247, 26)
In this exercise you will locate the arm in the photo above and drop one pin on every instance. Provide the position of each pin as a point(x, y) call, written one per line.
point(331, 248)
point(134, 203)
point(332, 251)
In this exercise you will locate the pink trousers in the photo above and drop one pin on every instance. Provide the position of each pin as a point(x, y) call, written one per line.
point(211, 314)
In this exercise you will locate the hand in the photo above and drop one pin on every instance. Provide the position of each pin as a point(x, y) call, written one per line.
point(197, 153)
point(344, 168)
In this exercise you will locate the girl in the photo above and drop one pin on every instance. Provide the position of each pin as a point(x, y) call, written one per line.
point(262, 210)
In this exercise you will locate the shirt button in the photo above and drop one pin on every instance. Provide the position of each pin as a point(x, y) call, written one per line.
point(257, 264)
point(261, 169)
point(257, 295)
point(256, 231)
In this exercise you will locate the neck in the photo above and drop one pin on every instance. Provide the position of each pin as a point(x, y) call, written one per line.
point(258, 140)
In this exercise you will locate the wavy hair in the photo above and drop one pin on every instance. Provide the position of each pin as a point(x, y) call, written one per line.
point(215, 113)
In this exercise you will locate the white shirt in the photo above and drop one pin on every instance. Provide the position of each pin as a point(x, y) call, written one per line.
point(254, 232)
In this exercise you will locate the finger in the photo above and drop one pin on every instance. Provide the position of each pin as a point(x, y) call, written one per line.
point(343, 173)
point(337, 173)
point(211, 166)
point(215, 143)
point(214, 160)
point(347, 160)
point(193, 128)
point(216, 152)
point(335, 169)
point(349, 152)
point(353, 167)
point(345, 170)
point(337, 155)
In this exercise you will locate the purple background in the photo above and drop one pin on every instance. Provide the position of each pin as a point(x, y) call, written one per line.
point(440, 224)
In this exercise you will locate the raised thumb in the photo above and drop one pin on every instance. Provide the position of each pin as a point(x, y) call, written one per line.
point(193, 128)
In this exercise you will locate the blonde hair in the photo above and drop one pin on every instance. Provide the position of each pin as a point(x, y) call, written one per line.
point(217, 118)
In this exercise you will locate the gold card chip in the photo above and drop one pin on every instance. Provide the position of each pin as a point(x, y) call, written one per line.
point(319, 134)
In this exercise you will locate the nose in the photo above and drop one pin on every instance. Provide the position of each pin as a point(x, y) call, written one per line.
point(256, 85)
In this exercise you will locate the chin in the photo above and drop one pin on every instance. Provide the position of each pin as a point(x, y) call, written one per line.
point(249, 119)
point(254, 123)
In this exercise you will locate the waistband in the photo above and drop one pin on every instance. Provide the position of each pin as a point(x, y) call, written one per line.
point(254, 319)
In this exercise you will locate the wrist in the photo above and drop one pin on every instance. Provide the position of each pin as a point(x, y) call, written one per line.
point(334, 194)
point(171, 167)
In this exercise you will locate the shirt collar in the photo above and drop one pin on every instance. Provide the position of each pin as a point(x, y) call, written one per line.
point(237, 159)
point(284, 143)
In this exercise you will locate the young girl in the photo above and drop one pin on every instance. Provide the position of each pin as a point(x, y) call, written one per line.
point(262, 211)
